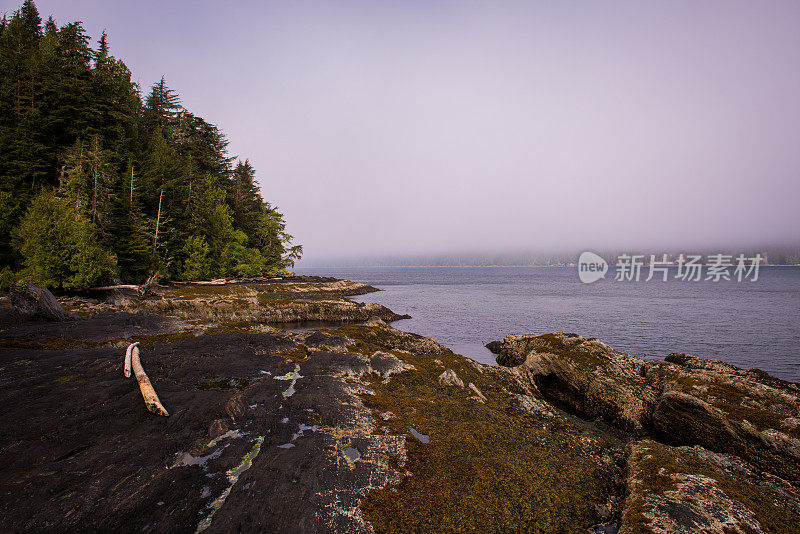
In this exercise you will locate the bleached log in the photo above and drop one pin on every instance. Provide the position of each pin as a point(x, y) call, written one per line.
point(127, 370)
point(214, 282)
point(150, 398)
point(119, 286)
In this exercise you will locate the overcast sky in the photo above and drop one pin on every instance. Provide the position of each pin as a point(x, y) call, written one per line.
point(427, 126)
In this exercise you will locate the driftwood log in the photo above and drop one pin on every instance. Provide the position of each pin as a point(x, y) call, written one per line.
point(132, 362)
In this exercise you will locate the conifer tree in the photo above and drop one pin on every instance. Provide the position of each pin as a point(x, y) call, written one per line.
point(123, 186)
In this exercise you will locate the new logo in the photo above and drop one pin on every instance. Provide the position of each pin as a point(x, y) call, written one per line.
point(591, 267)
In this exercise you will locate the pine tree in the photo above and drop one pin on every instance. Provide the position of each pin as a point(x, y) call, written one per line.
point(246, 200)
point(161, 110)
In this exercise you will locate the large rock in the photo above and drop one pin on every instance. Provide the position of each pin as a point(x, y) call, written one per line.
point(584, 376)
point(32, 302)
point(494, 347)
point(684, 400)
point(727, 409)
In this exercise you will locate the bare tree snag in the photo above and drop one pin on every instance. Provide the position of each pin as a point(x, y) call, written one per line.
point(158, 221)
point(148, 393)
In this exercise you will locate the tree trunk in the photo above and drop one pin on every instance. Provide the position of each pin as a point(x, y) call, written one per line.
point(94, 195)
point(158, 221)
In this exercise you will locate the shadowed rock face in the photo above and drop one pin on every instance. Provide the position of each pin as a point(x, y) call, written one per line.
point(31, 302)
point(586, 377)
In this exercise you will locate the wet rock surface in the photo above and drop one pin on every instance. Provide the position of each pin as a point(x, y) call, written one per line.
point(82, 453)
point(365, 428)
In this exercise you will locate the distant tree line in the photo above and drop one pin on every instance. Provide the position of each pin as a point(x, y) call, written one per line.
point(99, 184)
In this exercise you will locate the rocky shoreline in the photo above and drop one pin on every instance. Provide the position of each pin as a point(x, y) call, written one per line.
point(360, 427)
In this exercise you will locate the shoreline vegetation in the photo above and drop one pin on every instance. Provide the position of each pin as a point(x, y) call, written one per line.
point(356, 426)
point(102, 184)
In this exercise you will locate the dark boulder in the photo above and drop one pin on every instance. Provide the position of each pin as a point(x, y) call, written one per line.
point(32, 302)
point(494, 346)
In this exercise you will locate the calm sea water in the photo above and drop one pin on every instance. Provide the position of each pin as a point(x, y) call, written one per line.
point(749, 324)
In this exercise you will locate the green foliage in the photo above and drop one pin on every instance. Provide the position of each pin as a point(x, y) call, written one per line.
point(195, 266)
point(152, 181)
point(7, 278)
point(59, 247)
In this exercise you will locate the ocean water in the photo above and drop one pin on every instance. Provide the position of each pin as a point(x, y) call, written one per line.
point(749, 324)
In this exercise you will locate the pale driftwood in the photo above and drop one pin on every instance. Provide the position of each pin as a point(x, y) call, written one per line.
point(127, 370)
point(119, 286)
point(148, 393)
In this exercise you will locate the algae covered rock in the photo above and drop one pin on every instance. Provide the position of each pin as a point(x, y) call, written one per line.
point(386, 364)
point(586, 377)
point(486, 464)
point(684, 400)
point(513, 350)
point(690, 489)
point(727, 409)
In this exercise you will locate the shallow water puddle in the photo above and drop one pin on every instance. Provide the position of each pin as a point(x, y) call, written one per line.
point(233, 476)
point(424, 438)
point(200, 461)
point(294, 376)
point(187, 458)
point(303, 428)
point(351, 454)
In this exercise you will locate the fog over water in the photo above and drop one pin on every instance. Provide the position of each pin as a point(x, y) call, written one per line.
point(434, 127)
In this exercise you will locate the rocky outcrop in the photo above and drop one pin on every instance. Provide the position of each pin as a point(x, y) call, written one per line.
point(450, 378)
point(256, 442)
point(690, 489)
point(333, 430)
point(683, 400)
point(262, 303)
point(31, 302)
point(494, 346)
point(586, 377)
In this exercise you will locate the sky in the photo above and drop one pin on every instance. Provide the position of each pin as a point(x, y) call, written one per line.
point(421, 127)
